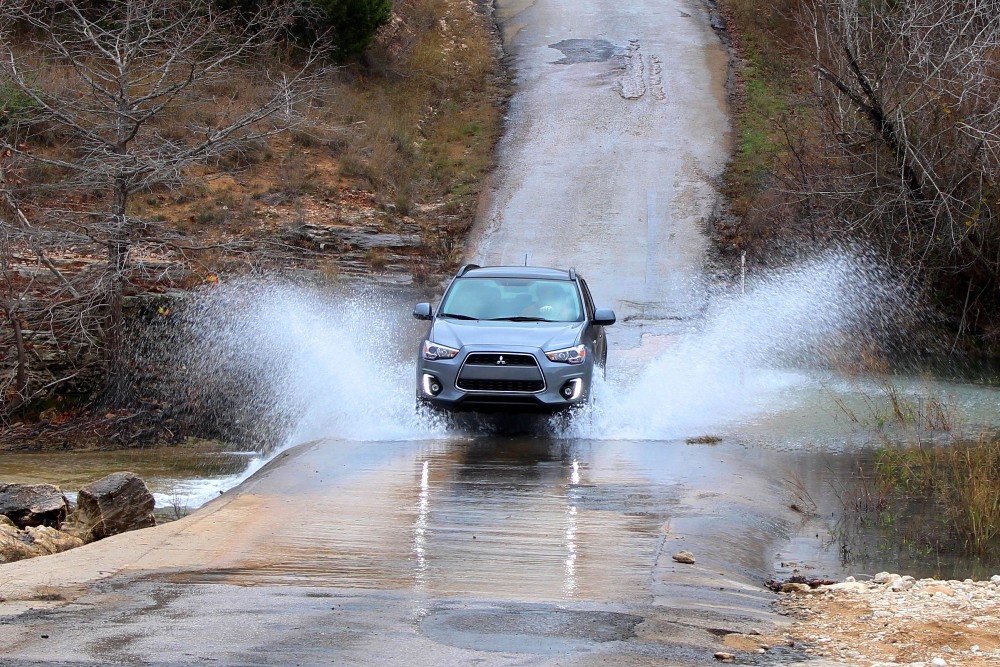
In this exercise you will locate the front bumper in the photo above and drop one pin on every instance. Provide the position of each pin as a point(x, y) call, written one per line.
point(484, 379)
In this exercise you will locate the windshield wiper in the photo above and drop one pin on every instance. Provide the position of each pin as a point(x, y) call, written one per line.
point(456, 316)
point(518, 318)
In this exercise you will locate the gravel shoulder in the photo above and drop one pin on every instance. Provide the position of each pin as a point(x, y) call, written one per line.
point(894, 620)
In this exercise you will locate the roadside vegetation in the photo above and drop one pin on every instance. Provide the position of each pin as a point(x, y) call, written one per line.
point(151, 147)
point(926, 491)
point(873, 124)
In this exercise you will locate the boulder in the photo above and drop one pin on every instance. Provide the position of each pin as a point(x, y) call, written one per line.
point(795, 587)
point(33, 504)
point(114, 504)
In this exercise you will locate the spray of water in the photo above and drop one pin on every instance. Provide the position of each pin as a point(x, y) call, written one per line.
point(277, 364)
point(285, 364)
point(753, 353)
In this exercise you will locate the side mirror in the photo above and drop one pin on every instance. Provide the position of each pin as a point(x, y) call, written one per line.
point(604, 317)
point(422, 311)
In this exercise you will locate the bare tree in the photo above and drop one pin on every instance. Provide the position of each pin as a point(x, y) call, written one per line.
point(124, 96)
point(902, 145)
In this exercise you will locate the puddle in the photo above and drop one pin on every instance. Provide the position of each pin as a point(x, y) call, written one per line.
point(585, 51)
point(539, 629)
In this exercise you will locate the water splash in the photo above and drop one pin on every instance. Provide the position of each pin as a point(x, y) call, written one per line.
point(276, 364)
point(189, 493)
point(281, 363)
point(755, 353)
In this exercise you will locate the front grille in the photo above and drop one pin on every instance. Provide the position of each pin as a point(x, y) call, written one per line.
point(491, 359)
point(526, 386)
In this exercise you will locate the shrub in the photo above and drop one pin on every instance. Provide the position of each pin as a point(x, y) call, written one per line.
point(351, 23)
point(16, 108)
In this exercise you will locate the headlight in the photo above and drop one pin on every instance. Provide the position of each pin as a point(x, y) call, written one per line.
point(569, 355)
point(434, 351)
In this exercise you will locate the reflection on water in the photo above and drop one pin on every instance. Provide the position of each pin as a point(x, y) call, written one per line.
point(420, 527)
point(524, 518)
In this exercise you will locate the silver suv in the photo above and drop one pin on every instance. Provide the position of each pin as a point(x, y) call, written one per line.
point(511, 338)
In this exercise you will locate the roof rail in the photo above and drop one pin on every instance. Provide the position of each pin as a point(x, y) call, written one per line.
point(572, 273)
point(467, 267)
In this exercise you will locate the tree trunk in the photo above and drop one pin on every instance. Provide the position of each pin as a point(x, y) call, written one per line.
point(118, 249)
point(21, 381)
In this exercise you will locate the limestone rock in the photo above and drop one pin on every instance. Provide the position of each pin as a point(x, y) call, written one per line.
point(14, 545)
point(363, 238)
point(845, 587)
point(33, 504)
point(904, 583)
point(115, 504)
point(684, 557)
point(48, 540)
point(793, 587)
point(723, 656)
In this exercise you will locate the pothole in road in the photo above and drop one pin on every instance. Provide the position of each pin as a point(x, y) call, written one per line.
point(539, 629)
point(585, 51)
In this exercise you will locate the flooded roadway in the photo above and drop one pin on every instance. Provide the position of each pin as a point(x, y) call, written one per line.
point(498, 550)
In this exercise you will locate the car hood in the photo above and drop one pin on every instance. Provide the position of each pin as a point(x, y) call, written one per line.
point(545, 335)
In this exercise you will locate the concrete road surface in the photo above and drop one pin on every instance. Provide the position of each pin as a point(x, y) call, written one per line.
point(492, 551)
point(615, 136)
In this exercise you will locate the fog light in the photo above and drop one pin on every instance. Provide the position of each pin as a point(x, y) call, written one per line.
point(572, 389)
point(432, 387)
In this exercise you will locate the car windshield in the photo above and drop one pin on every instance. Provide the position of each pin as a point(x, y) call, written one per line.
point(513, 299)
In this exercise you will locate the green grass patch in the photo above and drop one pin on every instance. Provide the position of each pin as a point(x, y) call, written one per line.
point(16, 108)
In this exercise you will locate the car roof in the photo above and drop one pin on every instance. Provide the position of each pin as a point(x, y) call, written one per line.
point(541, 272)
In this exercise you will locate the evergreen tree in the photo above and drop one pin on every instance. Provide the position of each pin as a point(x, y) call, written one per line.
point(352, 22)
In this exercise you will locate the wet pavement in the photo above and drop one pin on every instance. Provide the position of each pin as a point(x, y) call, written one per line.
point(494, 550)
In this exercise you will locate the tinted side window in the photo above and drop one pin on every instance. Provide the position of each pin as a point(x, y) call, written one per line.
point(587, 299)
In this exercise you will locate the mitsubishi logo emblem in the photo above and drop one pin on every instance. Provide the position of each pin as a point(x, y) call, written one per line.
point(501, 362)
